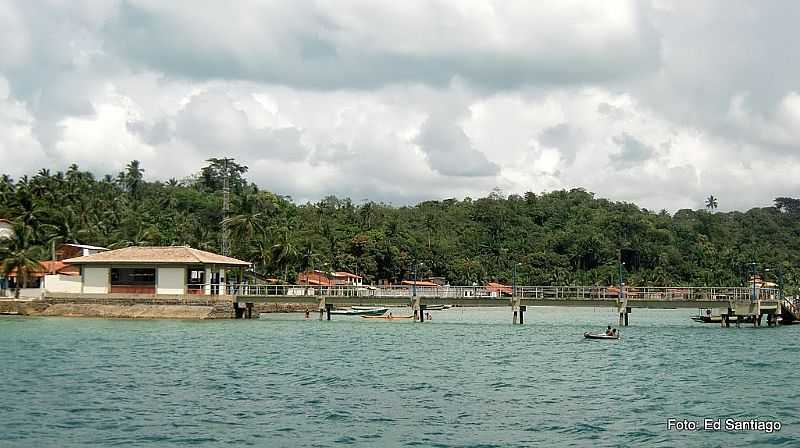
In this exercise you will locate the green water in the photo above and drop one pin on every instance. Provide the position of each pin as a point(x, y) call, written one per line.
point(467, 378)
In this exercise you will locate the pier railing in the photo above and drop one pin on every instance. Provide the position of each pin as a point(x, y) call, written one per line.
point(524, 292)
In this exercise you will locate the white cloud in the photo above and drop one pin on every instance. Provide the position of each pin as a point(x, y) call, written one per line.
point(660, 104)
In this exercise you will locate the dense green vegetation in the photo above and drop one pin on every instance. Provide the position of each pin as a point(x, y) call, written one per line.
point(560, 237)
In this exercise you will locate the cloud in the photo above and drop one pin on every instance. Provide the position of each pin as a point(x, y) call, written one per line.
point(564, 138)
point(414, 100)
point(214, 122)
point(632, 151)
point(364, 44)
point(449, 150)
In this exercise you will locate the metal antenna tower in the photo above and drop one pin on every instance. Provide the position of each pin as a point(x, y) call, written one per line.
point(226, 208)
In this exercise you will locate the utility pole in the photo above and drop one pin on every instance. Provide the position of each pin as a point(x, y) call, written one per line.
point(226, 207)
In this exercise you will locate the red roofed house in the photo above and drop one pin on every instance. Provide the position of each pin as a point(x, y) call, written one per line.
point(322, 278)
point(499, 289)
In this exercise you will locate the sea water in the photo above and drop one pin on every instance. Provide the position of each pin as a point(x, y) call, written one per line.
point(466, 378)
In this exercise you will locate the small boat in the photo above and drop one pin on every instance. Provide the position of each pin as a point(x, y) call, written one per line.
point(388, 317)
point(716, 319)
point(359, 312)
point(438, 307)
point(588, 335)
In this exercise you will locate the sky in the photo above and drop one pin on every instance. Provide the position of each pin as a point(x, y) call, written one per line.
point(661, 103)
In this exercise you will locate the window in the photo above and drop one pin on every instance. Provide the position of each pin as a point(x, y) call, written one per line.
point(133, 280)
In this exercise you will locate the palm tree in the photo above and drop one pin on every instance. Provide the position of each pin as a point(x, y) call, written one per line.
point(284, 252)
point(711, 202)
point(133, 177)
point(18, 255)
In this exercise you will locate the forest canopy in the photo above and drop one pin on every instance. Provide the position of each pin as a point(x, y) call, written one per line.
point(558, 238)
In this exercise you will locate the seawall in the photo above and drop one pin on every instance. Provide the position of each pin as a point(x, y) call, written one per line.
point(136, 307)
point(124, 307)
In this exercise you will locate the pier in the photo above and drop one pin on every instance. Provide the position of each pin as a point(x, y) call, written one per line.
point(734, 303)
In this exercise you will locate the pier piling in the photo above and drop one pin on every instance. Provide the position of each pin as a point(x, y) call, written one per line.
point(328, 308)
point(522, 309)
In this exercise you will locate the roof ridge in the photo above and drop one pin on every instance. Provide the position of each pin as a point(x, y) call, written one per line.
point(193, 251)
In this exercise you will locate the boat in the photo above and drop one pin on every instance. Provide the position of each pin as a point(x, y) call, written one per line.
point(716, 319)
point(437, 307)
point(589, 335)
point(385, 317)
point(359, 312)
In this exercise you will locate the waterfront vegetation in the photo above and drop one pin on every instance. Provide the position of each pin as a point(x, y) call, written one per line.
point(558, 238)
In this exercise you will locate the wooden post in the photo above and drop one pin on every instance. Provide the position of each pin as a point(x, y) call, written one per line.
point(515, 307)
point(321, 307)
point(422, 309)
point(728, 318)
point(415, 305)
point(328, 307)
point(522, 314)
point(627, 311)
point(249, 310)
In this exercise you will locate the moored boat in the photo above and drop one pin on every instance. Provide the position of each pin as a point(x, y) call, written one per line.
point(589, 335)
point(385, 317)
point(438, 307)
point(360, 312)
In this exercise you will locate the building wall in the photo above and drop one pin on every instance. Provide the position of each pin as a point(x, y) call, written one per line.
point(63, 283)
point(95, 280)
point(170, 280)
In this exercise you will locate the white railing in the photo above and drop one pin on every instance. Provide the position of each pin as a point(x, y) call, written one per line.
point(525, 292)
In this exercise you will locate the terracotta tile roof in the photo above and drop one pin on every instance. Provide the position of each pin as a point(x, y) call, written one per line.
point(158, 255)
point(499, 287)
point(47, 267)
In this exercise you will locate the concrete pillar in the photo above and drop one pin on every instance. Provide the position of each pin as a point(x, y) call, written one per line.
point(321, 307)
point(514, 318)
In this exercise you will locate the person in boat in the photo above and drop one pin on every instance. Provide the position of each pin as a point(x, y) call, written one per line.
point(613, 332)
point(608, 331)
point(390, 315)
point(428, 316)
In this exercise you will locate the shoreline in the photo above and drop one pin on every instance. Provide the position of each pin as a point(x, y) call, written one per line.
point(128, 308)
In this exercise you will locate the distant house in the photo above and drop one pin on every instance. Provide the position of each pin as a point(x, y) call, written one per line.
point(421, 283)
point(322, 278)
point(315, 278)
point(36, 279)
point(173, 270)
point(499, 289)
point(347, 278)
point(6, 229)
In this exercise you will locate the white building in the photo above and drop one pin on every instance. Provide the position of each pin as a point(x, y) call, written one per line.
point(173, 270)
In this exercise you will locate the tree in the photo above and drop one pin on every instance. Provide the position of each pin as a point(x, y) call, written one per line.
point(133, 176)
point(19, 256)
point(213, 174)
point(284, 252)
point(711, 203)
